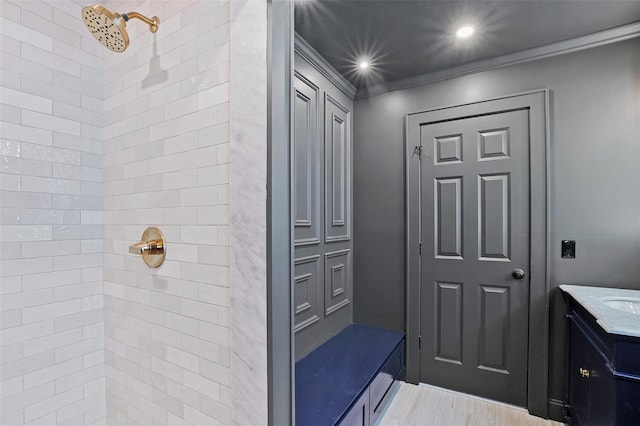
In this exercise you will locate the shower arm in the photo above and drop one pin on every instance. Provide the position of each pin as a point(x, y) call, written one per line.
point(153, 22)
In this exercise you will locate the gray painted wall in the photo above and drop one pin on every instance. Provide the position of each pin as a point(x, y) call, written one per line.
point(595, 178)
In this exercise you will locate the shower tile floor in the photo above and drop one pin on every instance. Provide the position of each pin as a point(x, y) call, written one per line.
point(427, 405)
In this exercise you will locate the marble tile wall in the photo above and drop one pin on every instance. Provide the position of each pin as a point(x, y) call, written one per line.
point(248, 170)
point(51, 316)
point(166, 164)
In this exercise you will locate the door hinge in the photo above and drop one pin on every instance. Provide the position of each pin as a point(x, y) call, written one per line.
point(417, 150)
point(419, 342)
point(420, 247)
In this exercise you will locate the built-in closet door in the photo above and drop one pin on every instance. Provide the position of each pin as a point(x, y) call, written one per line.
point(322, 207)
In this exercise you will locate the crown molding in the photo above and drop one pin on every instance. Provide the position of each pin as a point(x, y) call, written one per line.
point(310, 55)
point(560, 48)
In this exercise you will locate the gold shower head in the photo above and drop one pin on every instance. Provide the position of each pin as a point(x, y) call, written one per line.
point(110, 28)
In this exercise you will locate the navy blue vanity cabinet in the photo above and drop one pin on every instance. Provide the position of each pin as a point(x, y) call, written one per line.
point(604, 373)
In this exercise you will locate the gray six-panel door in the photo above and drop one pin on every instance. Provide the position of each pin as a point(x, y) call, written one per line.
point(474, 284)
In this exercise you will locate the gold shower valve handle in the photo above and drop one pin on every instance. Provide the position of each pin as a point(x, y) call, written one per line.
point(147, 247)
point(151, 247)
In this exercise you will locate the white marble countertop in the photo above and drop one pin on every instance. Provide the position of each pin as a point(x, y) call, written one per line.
point(613, 321)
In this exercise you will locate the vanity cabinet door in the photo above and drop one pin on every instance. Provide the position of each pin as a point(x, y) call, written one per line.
point(602, 395)
point(580, 355)
point(591, 386)
point(628, 402)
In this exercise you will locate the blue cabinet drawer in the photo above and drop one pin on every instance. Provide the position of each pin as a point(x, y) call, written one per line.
point(627, 359)
point(358, 415)
point(389, 372)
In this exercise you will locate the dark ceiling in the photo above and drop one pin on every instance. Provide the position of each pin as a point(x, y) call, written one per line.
point(407, 38)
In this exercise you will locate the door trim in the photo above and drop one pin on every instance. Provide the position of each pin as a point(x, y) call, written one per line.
point(538, 103)
point(279, 242)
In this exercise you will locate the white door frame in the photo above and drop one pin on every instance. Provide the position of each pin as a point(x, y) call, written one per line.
point(537, 102)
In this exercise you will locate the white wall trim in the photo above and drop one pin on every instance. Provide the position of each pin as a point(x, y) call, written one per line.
point(560, 48)
point(321, 65)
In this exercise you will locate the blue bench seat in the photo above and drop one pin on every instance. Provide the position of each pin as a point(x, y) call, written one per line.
point(334, 377)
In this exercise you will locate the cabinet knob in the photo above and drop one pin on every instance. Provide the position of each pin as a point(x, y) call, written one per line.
point(584, 372)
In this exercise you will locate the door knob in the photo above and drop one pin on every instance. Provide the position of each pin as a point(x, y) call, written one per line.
point(151, 247)
point(518, 274)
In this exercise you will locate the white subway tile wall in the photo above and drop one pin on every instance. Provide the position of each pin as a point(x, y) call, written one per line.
point(160, 113)
point(167, 331)
point(51, 291)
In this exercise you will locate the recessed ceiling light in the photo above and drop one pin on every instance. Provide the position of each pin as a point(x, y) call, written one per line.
point(464, 32)
point(363, 64)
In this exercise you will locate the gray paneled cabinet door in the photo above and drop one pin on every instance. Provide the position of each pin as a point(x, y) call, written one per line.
point(474, 189)
point(321, 206)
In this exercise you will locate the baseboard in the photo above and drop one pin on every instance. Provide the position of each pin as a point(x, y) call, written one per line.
point(557, 410)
